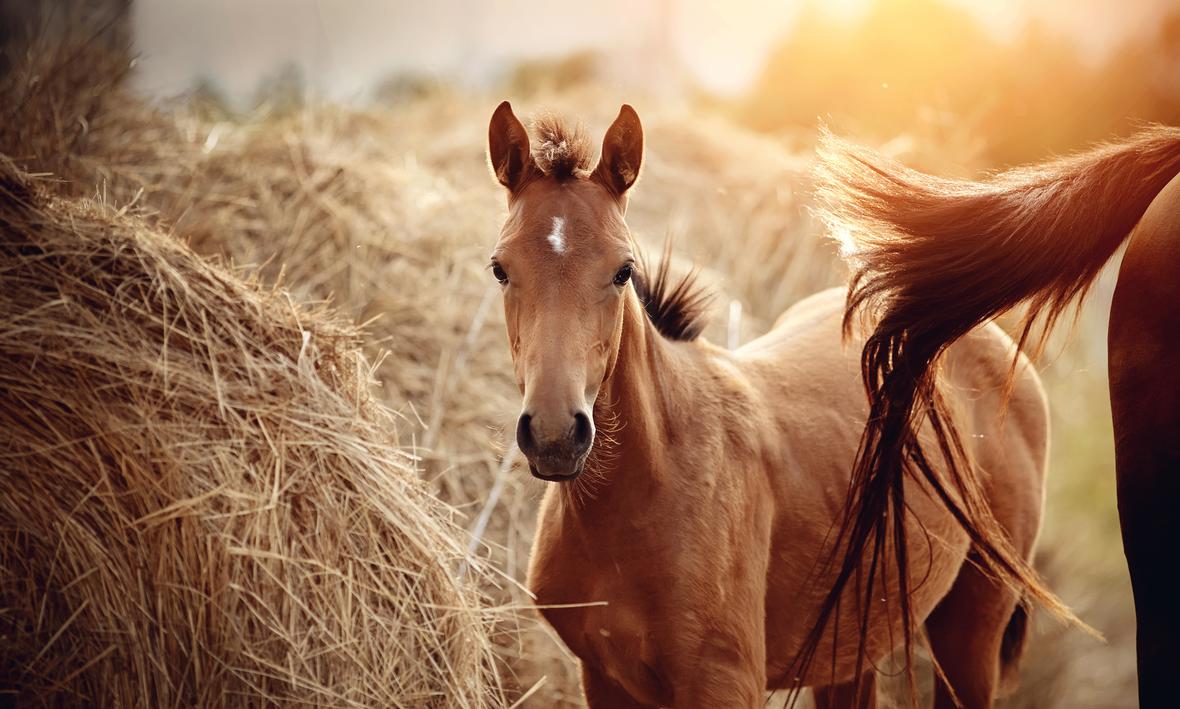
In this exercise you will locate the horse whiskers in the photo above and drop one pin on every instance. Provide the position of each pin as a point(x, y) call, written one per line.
point(602, 456)
point(584, 487)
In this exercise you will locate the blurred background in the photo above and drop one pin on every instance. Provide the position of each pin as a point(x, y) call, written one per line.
point(1026, 76)
point(338, 144)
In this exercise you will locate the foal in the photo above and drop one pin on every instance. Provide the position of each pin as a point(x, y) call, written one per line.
point(704, 518)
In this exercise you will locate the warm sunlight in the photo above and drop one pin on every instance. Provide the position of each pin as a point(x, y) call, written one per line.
point(589, 355)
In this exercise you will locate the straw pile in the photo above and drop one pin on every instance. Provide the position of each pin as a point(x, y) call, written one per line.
point(200, 504)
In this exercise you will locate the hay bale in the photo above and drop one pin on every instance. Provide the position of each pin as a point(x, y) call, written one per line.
point(200, 504)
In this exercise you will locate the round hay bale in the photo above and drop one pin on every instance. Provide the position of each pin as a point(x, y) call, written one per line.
point(200, 504)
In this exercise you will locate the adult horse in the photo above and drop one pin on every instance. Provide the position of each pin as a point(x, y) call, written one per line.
point(938, 258)
point(695, 490)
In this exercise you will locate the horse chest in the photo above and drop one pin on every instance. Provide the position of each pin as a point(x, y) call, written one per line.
point(617, 639)
point(616, 630)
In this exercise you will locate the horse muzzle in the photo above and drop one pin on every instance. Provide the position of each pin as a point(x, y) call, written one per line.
point(553, 476)
point(557, 458)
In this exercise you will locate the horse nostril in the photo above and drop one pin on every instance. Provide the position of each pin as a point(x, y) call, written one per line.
point(524, 434)
point(583, 432)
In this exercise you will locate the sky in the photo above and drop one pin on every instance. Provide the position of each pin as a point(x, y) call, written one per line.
point(343, 47)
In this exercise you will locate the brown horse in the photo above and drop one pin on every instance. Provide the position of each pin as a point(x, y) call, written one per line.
point(938, 258)
point(695, 521)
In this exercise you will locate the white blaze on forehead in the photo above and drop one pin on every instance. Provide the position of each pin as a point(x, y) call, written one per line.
point(557, 236)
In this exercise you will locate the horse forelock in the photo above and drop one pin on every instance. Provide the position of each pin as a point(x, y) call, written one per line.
point(563, 150)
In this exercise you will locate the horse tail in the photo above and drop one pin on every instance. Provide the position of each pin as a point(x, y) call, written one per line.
point(1012, 647)
point(934, 258)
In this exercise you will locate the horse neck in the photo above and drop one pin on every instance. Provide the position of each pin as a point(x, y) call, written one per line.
point(633, 412)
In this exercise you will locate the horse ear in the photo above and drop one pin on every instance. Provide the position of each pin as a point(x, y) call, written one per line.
point(508, 148)
point(622, 152)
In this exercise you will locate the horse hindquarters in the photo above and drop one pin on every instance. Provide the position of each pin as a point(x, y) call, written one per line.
point(1144, 362)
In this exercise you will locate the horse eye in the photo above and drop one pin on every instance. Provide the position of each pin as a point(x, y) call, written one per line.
point(623, 276)
point(499, 273)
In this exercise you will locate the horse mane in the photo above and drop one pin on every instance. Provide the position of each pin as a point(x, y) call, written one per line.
point(933, 258)
point(563, 151)
point(678, 308)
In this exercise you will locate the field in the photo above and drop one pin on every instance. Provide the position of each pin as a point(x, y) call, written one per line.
point(387, 214)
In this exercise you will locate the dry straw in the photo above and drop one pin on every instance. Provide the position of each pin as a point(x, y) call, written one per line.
point(200, 504)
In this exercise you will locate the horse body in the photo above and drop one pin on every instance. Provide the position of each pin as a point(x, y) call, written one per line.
point(720, 496)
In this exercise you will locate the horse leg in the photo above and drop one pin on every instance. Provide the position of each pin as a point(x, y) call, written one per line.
point(603, 693)
point(966, 631)
point(725, 680)
point(849, 695)
point(1144, 362)
point(1148, 490)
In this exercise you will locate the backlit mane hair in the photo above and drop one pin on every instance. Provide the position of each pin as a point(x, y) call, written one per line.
point(562, 151)
point(678, 308)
